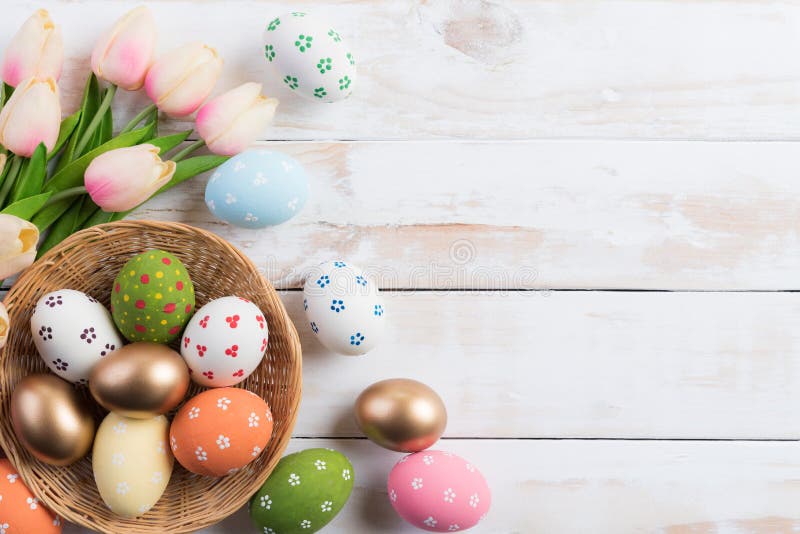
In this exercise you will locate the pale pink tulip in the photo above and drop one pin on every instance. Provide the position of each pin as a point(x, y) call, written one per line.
point(121, 179)
point(231, 122)
point(31, 116)
point(18, 241)
point(4, 325)
point(36, 51)
point(182, 79)
point(125, 52)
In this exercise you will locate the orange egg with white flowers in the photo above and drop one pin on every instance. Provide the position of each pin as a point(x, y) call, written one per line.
point(220, 431)
point(21, 512)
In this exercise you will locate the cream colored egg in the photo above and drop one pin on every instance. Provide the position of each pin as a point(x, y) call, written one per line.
point(132, 463)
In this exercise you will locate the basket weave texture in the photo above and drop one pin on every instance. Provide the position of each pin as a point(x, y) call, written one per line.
point(89, 261)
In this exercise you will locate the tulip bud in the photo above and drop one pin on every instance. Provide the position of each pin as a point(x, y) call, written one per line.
point(231, 122)
point(18, 240)
point(4, 325)
point(182, 79)
point(125, 52)
point(31, 116)
point(36, 51)
point(121, 179)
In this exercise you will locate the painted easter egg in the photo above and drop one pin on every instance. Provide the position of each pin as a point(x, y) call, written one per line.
point(51, 420)
point(140, 380)
point(304, 492)
point(132, 463)
point(225, 341)
point(310, 56)
point(72, 331)
point(21, 512)
point(344, 308)
point(152, 298)
point(220, 431)
point(438, 491)
point(257, 188)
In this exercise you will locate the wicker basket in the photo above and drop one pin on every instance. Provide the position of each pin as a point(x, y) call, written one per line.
point(89, 261)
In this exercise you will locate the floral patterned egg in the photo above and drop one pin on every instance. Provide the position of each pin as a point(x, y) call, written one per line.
point(220, 431)
point(344, 308)
point(152, 298)
point(438, 491)
point(72, 331)
point(20, 511)
point(257, 188)
point(132, 463)
point(224, 342)
point(310, 56)
point(304, 492)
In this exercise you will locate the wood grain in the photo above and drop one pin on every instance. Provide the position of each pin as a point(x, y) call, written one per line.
point(575, 487)
point(575, 364)
point(516, 69)
point(533, 214)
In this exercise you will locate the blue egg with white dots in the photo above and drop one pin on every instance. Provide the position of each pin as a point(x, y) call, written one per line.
point(257, 188)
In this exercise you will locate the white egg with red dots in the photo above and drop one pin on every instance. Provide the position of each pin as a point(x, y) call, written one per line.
point(224, 342)
point(344, 308)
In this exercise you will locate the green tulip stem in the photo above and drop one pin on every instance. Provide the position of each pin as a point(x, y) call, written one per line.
point(188, 150)
point(66, 193)
point(138, 118)
point(96, 120)
point(11, 177)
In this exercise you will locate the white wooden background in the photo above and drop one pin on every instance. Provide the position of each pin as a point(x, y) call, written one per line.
point(586, 215)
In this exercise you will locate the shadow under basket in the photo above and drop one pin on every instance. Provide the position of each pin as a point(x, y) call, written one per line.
point(89, 261)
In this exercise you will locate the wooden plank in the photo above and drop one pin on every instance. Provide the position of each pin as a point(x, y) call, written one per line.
point(575, 364)
point(516, 69)
point(591, 486)
point(533, 214)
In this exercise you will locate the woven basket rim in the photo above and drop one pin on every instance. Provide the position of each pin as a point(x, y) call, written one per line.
point(31, 469)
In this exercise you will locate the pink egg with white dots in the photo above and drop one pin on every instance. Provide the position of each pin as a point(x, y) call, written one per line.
point(224, 342)
point(438, 491)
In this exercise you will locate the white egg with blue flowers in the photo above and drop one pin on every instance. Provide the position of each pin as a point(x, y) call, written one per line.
point(344, 308)
point(257, 188)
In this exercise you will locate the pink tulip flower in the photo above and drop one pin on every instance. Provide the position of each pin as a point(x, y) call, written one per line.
point(4, 325)
point(182, 79)
point(36, 51)
point(31, 116)
point(18, 241)
point(124, 53)
point(121, 179)
point(231, 122)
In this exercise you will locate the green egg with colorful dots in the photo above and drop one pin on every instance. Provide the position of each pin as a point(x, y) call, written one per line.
point(152, 298)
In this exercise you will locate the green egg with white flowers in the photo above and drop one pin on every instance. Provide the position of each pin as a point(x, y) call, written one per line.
point(304, 492)
point(152, 298)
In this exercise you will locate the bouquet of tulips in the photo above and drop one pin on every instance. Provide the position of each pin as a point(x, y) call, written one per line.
point(58, 175)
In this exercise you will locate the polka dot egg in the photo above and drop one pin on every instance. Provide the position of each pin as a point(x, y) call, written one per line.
point(304, 492)
point(21, 512)
point(438, 491)
point(310, 56)
point(152, 298)
point(220, 431)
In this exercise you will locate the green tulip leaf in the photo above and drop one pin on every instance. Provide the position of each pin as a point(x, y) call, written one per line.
point(89, 105)
point(27, 207)
point(50, 213)
point(68, 126)
point(5, 93)
point(32, 176)
point(72, 174)
point(100, 217)
point(168, 142)
point(106, 129)
point(63, 227)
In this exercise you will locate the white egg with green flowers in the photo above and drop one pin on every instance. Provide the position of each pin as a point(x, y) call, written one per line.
point(310, 56)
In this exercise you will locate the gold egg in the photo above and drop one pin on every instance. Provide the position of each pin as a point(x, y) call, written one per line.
point(140, 380)
point(401, 414)
point(51, 420)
